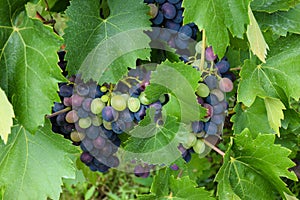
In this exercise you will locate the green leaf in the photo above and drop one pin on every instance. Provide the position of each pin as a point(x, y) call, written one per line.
point(29, 72)
point(154, 143)
point(181, 81)
point(280, 22)
point(216, 17)
point(105, 48)
point(275, 114)
point(7, 115)
point(256, 39)
point(32, 166)
point(255, 170)
point(273, 5)
point(277, 78)
point(166, 186)
point(253, 118)
point(160, 185)
point(183, 188)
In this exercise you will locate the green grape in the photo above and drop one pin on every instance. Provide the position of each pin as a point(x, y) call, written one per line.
point(202, 90)
point(118, 102)
point(104, 98)
point(77, 136)
point(107, 125)
point(125, 96)
point(134, 104)
point(85, 122)
point(198, 47)
point(143, 99)
point(199, 147)
point(103, 88)
point(190, 140)
point(96, 120)
point(97, 106)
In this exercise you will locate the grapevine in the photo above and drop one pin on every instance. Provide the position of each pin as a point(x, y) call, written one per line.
point(149, 99)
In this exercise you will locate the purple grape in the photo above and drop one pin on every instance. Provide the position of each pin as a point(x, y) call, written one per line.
point(86, 104)
point(109, 114)
point(209, 54)
point(172, 26)
point(185, 32)
point(174, 1)
point(218, 109)
point(210, 128)
point(174, 167)
point(168, 10)
point(181, 44)
point(76, 100)
point(118, 126)
point(223, 66)
point(58, 107)
point(217, 119)
point(99, 142)
point(211, 81)
point(66, 91)
point(197, 126)
point(92, 132)
point(178, 18)
point(82, 89)
point(158, 19)
point(212, 99)
point(86, 158)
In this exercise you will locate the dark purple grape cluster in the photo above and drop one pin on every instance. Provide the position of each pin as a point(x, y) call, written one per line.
point(168, 16)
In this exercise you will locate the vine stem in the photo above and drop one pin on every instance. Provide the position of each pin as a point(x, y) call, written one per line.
point(216, 149)
point(59, 112)
point(202, 60)
point(235, 69)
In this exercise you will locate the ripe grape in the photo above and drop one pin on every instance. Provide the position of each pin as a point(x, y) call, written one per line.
point(218, 109)
point(168, 10)
point(211, 81)
point(211, 128)
point(76, 100)
point(118, 126)
point(218, 93)
point(82, 89)
point(209, 54)
point(92, 132)
point(65, 91)
point(109, 114)
point(185, 32)
point(58, 106)
point(223, 66)
point(86, 158)
point(86, 104)
point(225, 85)
point(99, 142)
point(158, 19)
point(197, 126)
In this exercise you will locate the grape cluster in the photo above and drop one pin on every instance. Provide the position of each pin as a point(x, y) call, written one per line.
point(216, 81)
point(168, 15)
point(93, 116)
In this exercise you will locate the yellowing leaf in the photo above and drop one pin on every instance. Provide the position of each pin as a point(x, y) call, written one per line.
point(275, 114)
point(6, 113)
point(257, 41)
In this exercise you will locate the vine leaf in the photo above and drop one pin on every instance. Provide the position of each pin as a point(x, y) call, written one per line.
point(280, 22)
point(29, 72)
point(166, 186)
point(105, 48)
point(32, 166)
point(275, 114)
point(277, 78)
point(216, 17)
point(245, 117)
point(256, 39)
point(7, 115)
point(154, 143)
point(181, 83)
point(271, 6)
point(255, 169)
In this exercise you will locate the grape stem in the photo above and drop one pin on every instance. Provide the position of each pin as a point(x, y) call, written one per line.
point(59, 112)
point(202, 60)
point(216, 149)
point(235, 69)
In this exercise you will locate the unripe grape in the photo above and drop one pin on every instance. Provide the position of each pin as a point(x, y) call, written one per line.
point(202, 90)
point(118, 102)
point(199, 147)
point(97, 106)
point(134, 104)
